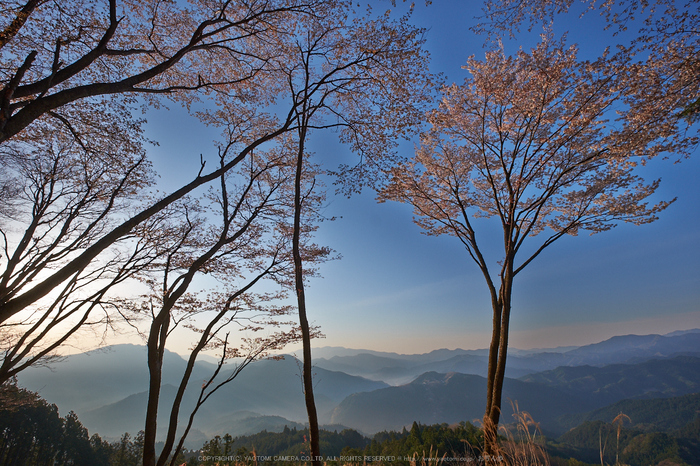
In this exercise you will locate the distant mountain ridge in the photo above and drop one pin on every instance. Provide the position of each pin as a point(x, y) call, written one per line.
point(655, 378)
point(106, 387)
point(397, 369)
point(548, 397)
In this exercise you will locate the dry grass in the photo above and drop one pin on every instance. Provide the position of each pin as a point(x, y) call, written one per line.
point(520, 443)
point(431, 460)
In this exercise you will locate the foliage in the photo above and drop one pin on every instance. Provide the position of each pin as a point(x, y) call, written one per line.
point(666, 42)
point(419, 441)
point(33, 434)
point(457, 441)
point(594, 439)
point(288, 443)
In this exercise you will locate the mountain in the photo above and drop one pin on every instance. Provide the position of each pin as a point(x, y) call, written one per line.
point(402, 370)
point(107, 390)
point(669, 415)
point(445, 398)
point(627, 348)
point(682, 332)
point(328, 352)
point(656, 378)
point(216, 417)
point(399, 369)
point(86, 381)
point(547, 397)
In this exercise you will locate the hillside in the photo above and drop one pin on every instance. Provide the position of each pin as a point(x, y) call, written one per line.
point(551, 397)
point(655, 378)
point(445, 398)
point(634, 447)
point(668, 415)
point(106, 388)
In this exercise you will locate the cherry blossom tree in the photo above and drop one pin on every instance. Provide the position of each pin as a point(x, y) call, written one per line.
point(241, 239)
point(366, 80)
point(533, 141)
point(75, 176)
point(665, 39)
point(57, 56)
point(72, 74)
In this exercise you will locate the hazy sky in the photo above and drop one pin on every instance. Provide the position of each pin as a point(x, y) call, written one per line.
point(398, 290)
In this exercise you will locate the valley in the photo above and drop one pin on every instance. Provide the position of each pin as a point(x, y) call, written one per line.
point(372, 392)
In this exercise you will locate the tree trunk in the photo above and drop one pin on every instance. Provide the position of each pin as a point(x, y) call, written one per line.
point(159, 330)
point(498, 352)
point(307, 376)
point(490, 427)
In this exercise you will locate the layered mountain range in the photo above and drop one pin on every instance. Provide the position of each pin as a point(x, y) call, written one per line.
point(372, 391)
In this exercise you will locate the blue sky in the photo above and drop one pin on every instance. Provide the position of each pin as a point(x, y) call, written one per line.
point(398, 290)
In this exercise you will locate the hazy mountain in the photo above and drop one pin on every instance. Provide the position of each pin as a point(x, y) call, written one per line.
point(328, 352)
point(622, 349)
point(216, 417)
point(655, 378)
point(106, 389)
point(431, 398)
point(86, 381)
point(682, 332)
point(399, 369)
point(437, 398)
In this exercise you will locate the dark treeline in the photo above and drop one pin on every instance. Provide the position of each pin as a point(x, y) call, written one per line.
point(630, 446)
point(348, 446)
point(290, 443)
point(33, 434)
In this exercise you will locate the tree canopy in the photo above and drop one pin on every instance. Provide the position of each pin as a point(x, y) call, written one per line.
point(534, 142)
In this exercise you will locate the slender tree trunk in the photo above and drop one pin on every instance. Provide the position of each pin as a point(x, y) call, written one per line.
point(155, 369)
point(498, 353)
point(314, 445)
point(490, 429)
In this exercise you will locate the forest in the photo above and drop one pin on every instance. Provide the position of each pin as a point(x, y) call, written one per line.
point(544, 142)
point(34, 434)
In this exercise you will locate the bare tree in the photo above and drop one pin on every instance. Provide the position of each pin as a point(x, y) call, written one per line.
point(83, 67)
point(58, 198)
point(368, 81)
point(58, 55)
point(527, 141)
point(70, 102)
point(249, 243)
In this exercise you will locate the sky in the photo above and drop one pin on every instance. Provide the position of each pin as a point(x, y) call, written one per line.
point(398, 290)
